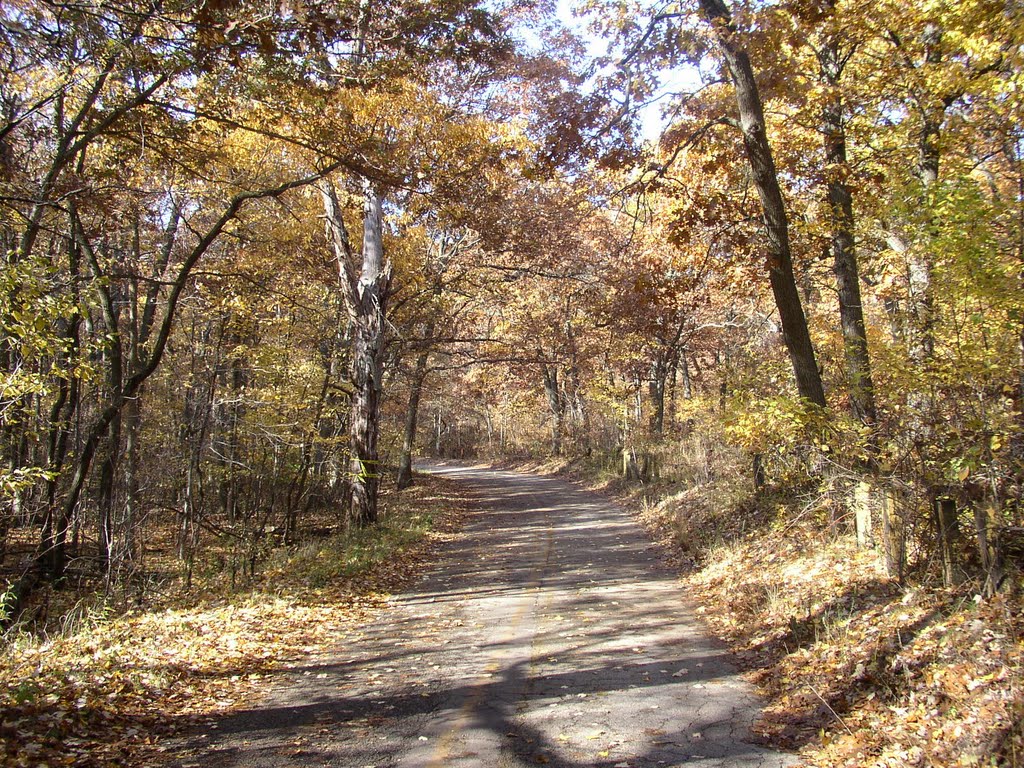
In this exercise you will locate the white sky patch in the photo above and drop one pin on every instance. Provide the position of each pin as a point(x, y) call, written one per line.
point(680, 80)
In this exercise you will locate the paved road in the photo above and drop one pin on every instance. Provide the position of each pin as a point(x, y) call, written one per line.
point(546, 635)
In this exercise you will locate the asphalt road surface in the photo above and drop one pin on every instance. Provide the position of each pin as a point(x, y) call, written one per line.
point(547, 634)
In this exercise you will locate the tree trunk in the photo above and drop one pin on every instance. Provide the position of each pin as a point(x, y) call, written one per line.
point(948, 539)
point(758, 467)
point(1012, 151)
point(893, 541)
point(630, 467)
point(762, 164)
point(656, 392)
point(365, 300)
point(126, 554)
point(367, 365)
point(932, 116)
point(851, 312)
point(920, 258)
point(196, 419)
point(574, 401)
point(862, 516)
point(107, 500)
point(684, 369)
point(409, 439)
point(988, 547)
point(556, 405)
point(55, 525)
point(1020, 381)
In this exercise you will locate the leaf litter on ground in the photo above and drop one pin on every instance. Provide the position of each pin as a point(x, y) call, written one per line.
point(857, 671)
point(111, 691)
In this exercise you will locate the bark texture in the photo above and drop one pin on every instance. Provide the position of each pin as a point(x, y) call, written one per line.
point(844, 265)
point(367, 366)
point(412, 414)
point(365, 300)
point(556, 404)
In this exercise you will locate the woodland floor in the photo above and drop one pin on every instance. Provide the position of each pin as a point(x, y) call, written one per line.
point(102, 687)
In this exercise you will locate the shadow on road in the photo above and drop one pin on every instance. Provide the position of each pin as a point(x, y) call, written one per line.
point(548, 634)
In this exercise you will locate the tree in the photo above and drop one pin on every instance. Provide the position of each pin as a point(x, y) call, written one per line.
point(762, 165)
point(365, 296)
point(834, 46)
point(436, 295)
point(124, 114)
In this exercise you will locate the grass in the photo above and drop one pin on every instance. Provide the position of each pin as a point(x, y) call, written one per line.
point(350, 555)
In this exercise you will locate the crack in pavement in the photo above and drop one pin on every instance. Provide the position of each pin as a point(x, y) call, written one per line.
point(547, 634)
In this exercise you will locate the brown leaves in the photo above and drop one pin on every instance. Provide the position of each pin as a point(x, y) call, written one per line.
point(857, 672)
point(109, 693)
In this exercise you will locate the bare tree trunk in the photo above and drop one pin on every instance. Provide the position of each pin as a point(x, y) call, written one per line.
point(1018, 163)
point(411, 416)
point(656, 392)
point(851, 313)
point(367, 365)
point(331, 424)
point(891, 549)
point(948, 529)
point(863, 524)
point(987, 534)
point(555, 405)
point(107, 500)
point(64, 408)
point(489, 426)
point(574, 401)
point(196, 419)
point(673, 388)
point(920, 258)
point(128, 522)
point(684, 369)
point(795, 334)
point(575, 404)
point(365, 300)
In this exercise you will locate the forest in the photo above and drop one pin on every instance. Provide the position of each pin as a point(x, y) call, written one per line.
point(756, 266)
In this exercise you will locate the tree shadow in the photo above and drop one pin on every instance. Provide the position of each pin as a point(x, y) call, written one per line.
point(492, 713)
point(401, 697)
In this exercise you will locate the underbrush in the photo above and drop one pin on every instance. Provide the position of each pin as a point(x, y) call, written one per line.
point(353, 553)
point(856, 669)
point(105, 688)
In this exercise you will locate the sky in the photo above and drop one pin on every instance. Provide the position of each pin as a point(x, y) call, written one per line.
point(651, 121)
